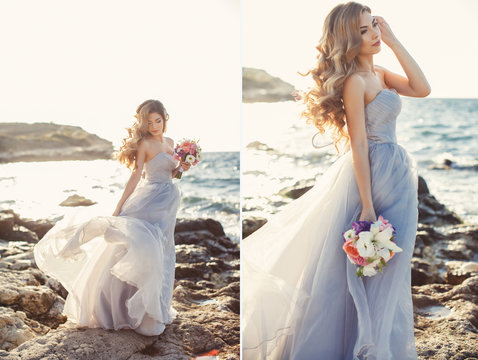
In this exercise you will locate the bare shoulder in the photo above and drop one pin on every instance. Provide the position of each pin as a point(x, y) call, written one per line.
point(354, 88)
point(170, 141)
point(144, 144)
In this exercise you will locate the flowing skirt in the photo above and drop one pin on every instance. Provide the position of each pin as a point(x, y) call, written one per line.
point(118, 270)
point(301, 296)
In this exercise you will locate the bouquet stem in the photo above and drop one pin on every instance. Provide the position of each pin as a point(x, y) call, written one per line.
point(179, 174)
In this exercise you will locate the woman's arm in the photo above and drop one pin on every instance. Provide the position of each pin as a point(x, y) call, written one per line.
point(415, 84)
point(185, 166)
point(134, 178)
point(353, 97)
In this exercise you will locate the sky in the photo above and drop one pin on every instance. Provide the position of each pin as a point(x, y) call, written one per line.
point(91, 63)
point(280, 37)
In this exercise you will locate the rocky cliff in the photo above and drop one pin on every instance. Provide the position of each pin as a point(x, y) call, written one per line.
point(48, 141)
point(259, 86)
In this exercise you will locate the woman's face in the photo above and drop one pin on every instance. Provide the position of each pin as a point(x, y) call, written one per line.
point(370, 34)
point(155, 124)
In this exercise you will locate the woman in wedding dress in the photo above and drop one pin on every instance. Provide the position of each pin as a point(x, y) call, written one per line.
point(119, 269)
point(301, 297)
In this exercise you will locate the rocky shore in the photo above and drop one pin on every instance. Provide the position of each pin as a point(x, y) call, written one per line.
point(206, 296)
point(259, 86)
point(444, 278)
point(49, 141)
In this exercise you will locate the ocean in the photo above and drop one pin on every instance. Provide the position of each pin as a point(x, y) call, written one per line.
point(35, 189)
point(277, 152)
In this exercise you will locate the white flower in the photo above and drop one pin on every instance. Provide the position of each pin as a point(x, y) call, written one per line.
point(364, 244)
point(383, 238)
point(375, 227)
point(198, 156)
point(349, 234)
point(384, 252)
point(370, 269)
point(190, 159)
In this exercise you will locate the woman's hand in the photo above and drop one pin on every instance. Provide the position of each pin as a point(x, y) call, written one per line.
point(387, 35)
point(185, 166)
point(368, 214)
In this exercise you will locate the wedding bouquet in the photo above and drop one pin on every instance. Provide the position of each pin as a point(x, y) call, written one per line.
point(370, 245)
point(187, 151)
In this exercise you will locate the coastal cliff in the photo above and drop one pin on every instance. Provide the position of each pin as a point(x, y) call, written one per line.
point(49, 141)
point(259, 86)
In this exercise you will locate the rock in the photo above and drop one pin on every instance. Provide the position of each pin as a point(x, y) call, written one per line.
point(250, 225)
point(206, 296)
point(431, 212)
point(454, 249)
point(71, 342)
point(15, 231)
point(21, 233)
point(77, 200)
point(298, 189)
point(257, 145)
point(213, 226)
point(259, 86)
point(48, 141)
point(422, 186)
point(446, 314)
point(459, 271)
point(6, 224)
point(423, 272)
point(16, 328)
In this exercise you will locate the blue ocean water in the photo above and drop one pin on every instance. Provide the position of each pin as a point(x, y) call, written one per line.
point(35, 189)
point(277, 152)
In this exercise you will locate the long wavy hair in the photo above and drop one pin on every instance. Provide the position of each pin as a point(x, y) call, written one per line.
point(127, 152)
point(337, 60)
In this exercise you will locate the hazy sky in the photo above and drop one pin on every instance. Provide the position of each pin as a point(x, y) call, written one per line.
point(91, 63)
point(442, 36)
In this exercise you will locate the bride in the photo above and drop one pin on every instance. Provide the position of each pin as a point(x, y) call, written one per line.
point(301, 297)
point(119, 270)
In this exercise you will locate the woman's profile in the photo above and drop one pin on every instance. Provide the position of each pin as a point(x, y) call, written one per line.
point(301, 297)
point(119, 269)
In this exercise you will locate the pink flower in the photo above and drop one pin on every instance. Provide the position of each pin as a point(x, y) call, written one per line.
point(385, 223)
point(186, 146)
point(194, 146)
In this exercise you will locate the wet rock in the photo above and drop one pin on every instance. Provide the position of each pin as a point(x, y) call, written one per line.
point(187, 225)
point(6, 224)
point(298, 189)
point(13, 228)
point(423, 272)
point(422, 186)
point(77, 200)
point(257, 145)
point(250, 225)
point(454, 249)
point(459, 271)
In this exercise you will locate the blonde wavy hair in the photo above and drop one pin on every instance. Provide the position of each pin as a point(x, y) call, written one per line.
point(127, 152)
point(338, 48)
